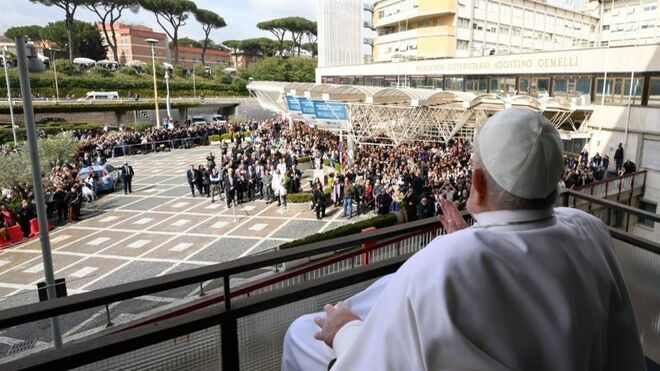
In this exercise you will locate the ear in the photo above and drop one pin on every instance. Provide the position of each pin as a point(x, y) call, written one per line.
point(479, 185)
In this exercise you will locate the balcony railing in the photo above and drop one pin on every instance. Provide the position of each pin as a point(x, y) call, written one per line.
point(246, 331)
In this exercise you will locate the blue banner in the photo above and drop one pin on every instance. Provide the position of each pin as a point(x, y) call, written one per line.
point(307, 106)
point(293, 103)
point(330, 111)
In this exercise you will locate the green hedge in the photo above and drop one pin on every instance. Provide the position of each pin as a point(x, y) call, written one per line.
point(326, 162)
point(302, 197)
point(7, 137)
point(227, 136)
point(303, 159)
point(380, 221)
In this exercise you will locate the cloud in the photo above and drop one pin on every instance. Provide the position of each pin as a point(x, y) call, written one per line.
point(241, 16)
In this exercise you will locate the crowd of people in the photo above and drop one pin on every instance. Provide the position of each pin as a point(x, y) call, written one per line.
point(584, 170)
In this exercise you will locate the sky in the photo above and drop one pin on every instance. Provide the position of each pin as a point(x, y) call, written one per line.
point(241, 16)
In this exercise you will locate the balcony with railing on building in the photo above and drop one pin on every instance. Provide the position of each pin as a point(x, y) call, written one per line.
point(539, 259)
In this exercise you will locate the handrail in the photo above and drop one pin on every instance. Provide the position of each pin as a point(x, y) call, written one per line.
point(77, 354)
point(253, 286)
point(59, 306)
point(608, 180)
point(601, 201)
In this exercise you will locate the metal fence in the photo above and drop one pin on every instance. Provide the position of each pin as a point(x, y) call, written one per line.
point(157, 146)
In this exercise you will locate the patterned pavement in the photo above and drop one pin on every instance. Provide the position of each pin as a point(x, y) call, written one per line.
point(157, 229)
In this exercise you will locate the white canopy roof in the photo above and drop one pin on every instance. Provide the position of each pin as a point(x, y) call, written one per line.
point(83, 61)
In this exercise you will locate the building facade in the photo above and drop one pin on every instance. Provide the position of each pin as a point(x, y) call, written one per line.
point(427, 29)
point(132, 45)
point(345, 47)
point(190, 56)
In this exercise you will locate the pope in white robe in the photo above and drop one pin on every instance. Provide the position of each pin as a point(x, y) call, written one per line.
point(528, 287)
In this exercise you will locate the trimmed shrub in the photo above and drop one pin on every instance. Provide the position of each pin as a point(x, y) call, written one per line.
point(142, 126)
point(380, 221)
point(215, 138)
point(128, 71)
point(99, 71)
point(303, 159)
point(302, 197)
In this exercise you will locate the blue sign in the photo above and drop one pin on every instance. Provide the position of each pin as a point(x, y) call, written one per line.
point(330, 111)
point(293, 103)
point(307, 106)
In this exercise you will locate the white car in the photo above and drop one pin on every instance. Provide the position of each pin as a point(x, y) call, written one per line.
point(198, 120)
point(218, 119)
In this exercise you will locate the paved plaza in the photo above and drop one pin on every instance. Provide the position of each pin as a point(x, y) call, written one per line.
point(158, 229)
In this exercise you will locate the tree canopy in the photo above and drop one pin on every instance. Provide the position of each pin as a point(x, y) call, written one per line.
point(173, 12)
point(108, 13)
point(186, 41)
point(88, 39)
point(33, 32)
point(209, 21)
point(69, 7)
point(296, 26)
point(296, 69)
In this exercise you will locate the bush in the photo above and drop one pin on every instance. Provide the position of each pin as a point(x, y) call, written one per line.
point(65, 67)
point(229, 136)
point(236, 118)
point(142, 126)
point(303, 159)
point(99, 71)
point(380, 221)
point(128, 71)
point(302, 197)
point(215, 138)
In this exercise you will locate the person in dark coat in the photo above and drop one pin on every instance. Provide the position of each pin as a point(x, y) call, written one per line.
point(127, 177)
point(25, 214)
point(206, 182)
point(425, 209)
point(230, 187)
point(618, 157)
point(60, 203)
point(318, 199)
point(192, 176)
point(199, 184)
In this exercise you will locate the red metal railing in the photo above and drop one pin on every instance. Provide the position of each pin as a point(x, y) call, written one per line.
point(359, 256)
point(610, 187)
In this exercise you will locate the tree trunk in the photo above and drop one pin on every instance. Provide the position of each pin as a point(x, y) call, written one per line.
point(206, 43)
point(113, 47)
point(175, 44)
point(69, 32)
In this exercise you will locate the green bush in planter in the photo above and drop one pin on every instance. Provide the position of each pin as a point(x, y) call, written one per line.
point(380, 221)
point(302, 197)
point(215, 138)
point(303, 159)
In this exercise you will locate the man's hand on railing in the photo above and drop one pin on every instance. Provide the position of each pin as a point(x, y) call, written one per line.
point(451, 218)
point(336, 318)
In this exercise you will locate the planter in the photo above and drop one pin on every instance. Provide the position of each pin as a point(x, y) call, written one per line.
point(298, 207)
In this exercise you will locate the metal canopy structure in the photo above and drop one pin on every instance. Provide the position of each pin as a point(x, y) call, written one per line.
point(394, 116)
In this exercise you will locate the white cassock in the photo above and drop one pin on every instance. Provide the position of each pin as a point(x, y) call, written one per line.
point(544, 294)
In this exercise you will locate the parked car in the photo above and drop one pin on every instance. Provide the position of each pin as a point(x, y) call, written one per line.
point(218, 119)
point(107, 176)
point(198, 120)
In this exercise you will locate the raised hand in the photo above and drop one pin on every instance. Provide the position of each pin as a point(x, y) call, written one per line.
point(451, 220)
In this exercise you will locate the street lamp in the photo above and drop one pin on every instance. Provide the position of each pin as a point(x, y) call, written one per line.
point(153, 43)
point(11, 104)
point(167, 100)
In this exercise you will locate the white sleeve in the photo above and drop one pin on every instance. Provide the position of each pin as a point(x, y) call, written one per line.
point(345, 337)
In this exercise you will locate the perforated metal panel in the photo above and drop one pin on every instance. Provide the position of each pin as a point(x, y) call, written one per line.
point(260, 335)
point(641, 271)
point(197, 351)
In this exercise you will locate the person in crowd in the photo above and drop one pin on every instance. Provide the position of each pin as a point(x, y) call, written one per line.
point(318, 200)
point(629, 167)
point(267, 186)
point(296, 175)
point(230, 189)
point(127, 177)
point(426, 208)
point(7, 216)
point(26, 213)
point(618, 157)
point(192, 175)
point(215, 179)
point(74, 201)
point(199, 181)
point(520, 282)
point(349, 192)
point(241, 185)
point(210, 160)
point(206, 181)
point(251, 182)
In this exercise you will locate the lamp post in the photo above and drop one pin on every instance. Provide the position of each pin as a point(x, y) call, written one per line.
point(37, 183)
point(11, 104)
point(167, 99)
point(57, 88)
point(153, 43)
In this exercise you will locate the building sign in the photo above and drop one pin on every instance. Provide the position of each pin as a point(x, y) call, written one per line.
point(293, 103)
point(330, 111)
point(512, 64)
point(306, 106)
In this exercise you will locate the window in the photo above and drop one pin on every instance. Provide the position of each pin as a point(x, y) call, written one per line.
point(504, 29)
point(654, 91)
point(463, 23)
point(650, 207)
point(462, 44)
point(423, 24)
point(571, 86)
point(527, 34)
point(381, 14)
point(617, 90)
point(650, 8)
point(631, 10)
point(517, 31)
point(606, 27)
point(477, 25)
point(477, 4)
point(491, 27)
